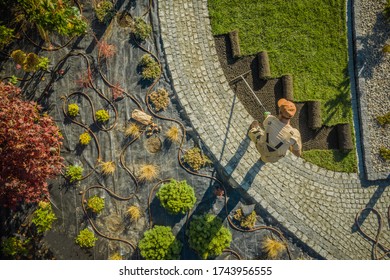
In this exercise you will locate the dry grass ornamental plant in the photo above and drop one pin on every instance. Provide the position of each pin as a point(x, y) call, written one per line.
point(107, 167)
point(173, 134)
point(273, 248)
point(132, 130)
point(134, 213)
point(148, 172)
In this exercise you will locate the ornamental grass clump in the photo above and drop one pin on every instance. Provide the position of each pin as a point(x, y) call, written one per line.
point(96, 204)
point(195, 159)
point(159, 243)
point(207, 236)
point(159, 99)
point(134, 213)
point(102, 116)
point(273, 248)
point(73, 110)
point(150, 67)
point(43, 217)
point(173, 134)
point(148, 172)
point(176, 197)
point(141, 29)
point(85, 138)
point(132, 130)
point(86, 239)
point(74, 173)
point(107, 167)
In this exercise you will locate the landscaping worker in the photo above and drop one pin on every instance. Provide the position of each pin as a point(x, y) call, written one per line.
point(278, 135)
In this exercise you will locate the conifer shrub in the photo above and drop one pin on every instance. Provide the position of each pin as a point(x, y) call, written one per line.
point(43, 217)
point(159, 243)
point(102, 116)
point(150, 67)
point(85, 138)
point(74, 173)
point(86, 239)
point(176, 197)
point(30, 62)
point(141, 29)
point(245, 221)
point(104, 11)
point(195, 159)
point(96, 204)
point(207, 236)
point(14, 247)
point(384, 153)
point(383, 120)
point(73, 110)
point(159, 99)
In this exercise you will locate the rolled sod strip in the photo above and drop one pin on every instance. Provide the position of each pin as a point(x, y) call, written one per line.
point(264, 69)
point(235, 43)
point(314, 114)
point(288, 90)
point(345, 137)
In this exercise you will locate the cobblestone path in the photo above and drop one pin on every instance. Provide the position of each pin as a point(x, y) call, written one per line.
point(314, 205)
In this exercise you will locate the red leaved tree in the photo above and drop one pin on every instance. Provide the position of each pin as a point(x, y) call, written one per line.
point(29, 149)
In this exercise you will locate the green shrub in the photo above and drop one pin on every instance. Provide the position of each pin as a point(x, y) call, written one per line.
point(160, 244)
point(150, 67)
point(43, 217)
point(96, 204)
point(30, 62)
point(13, 246)
point(387, 10)
point(195, 159)
point(54, 16)
point(104, 11)
point(141, 29)
point(208, 236)
point(85, 138)
point(176, 197)
point(74, 173)
point(383, 120)
point(245, 221)
point(13, 80)
point(385, 153)
point(102, 115)
point(159, 99)
point(386, 49)
point(6, 36)
point(86, 239)
point(73, 110)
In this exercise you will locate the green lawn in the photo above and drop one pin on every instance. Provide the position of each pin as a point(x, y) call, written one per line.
point(305, 38)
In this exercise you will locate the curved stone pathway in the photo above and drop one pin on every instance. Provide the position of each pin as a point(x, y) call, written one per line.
point(314, 205)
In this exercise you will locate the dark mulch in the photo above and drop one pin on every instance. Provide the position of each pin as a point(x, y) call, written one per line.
point(268, 91)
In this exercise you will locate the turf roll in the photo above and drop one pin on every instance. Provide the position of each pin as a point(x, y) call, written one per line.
point(264, 69)
point(288, 89)
point(314, 114)
point(235, 43)
point(344, 137)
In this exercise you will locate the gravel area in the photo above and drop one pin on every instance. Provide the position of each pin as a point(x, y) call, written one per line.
point(373, 66)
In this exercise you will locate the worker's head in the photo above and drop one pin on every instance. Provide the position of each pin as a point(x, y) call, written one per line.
point(287, 108)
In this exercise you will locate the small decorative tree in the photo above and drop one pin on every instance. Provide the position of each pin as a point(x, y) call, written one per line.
point(195, 159)
point(96, 204)
point(208, 236)
point(159, 244)
point(29, 149)
point(176, 197)
point(43, 217)
point(86, 239)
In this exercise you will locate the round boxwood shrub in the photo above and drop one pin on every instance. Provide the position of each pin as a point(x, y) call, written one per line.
point(160, 244)
point(73, 110)
point(74, 173)
point(96, 204)
point(85, 138)
point(86, 239)
point(208, 236)
point(176, 197)
point(102, 115)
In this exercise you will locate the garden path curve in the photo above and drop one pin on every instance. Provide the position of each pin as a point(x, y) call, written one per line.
point(314, 205)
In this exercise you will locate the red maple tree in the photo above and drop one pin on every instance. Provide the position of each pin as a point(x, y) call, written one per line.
point(29, 149)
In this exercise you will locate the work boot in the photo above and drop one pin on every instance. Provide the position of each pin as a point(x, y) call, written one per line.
point(254, 124)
